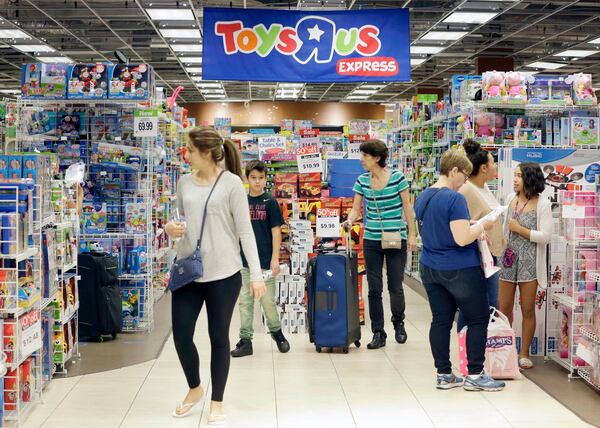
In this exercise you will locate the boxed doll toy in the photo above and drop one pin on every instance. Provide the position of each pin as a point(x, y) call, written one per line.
point(516, 87)
point(88, 81)
point(130, 81)
point(581, 88)
point(93, 218)
point(494, 87)
point(31, 81)
point(54, 81)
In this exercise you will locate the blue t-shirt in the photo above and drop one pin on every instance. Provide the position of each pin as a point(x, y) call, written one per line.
point(440, 251)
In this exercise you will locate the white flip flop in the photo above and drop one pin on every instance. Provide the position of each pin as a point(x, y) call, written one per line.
point(525, 363)
point(214, 420)
point(187, 407)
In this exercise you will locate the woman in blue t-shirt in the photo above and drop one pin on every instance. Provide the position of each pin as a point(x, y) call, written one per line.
point(451, 273)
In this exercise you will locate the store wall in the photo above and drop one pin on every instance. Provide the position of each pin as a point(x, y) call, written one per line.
point(270, 113)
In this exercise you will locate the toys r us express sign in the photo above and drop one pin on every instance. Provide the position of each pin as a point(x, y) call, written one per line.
point(295, 46)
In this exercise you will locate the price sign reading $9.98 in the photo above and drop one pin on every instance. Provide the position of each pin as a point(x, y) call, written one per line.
point(145, 123)
point(328, 223)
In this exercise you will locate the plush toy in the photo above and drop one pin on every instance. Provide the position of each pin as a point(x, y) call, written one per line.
point(483, 126)
point(582, 88)
point(86, 78)
point(515, 86)
point(494, 84)
point(498, 125)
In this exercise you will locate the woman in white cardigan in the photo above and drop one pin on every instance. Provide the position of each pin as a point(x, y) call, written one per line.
point(528, 230)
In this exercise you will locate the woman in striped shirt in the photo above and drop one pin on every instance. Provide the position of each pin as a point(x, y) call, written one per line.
point(388, 209)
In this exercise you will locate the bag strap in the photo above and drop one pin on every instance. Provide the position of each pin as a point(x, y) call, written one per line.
point(435, 192)
point(375, 200)
point(205, 212)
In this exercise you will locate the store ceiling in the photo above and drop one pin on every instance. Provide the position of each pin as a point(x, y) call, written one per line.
point(91, 30)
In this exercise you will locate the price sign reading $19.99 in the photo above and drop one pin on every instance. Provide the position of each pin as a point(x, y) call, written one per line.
point(328, 223)
point(309, 159)
point(145, 123)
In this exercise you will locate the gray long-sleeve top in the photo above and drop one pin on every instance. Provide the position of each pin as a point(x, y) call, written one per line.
point(227, 224)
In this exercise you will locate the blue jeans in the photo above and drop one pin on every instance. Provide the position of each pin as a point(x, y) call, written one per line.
point(448, 291)
point(491, 285)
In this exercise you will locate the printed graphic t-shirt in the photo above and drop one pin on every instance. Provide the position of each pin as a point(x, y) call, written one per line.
point(264, 215)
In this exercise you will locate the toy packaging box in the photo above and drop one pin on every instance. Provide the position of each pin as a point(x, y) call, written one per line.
point(31, 77)
point(136, 218)
point(130, 81)
point(494, 87)
point(286, 186)
point(69, 124)
point(54, 81)
point(463, 88)
point(88, 81)
point(93, 218)
point(548, 90)
point(310, 185)
point(516, 87)
point(105, 128)
point(581, 89)
point(117, 155)
point(584, 131)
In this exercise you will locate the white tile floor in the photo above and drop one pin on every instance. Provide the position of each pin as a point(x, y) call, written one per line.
point(391, 387)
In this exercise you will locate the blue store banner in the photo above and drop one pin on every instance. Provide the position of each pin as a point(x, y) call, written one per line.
point(306, 46)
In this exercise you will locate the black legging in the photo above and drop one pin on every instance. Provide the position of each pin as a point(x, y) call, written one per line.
point(220, 297)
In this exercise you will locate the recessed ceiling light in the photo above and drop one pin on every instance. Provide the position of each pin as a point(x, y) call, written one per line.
point(171, 14)
point(596, 41)
point(192, 60)
point(575, 53)
point(13, 34)
point(417, 61)
point(425, 49)
point(181, 34)
point(364, 91)
point(55, 59)
point(372, 86)
point(444, 35)
point(209, 85)
point(546, 65)
point(187, 48)
point(33, 48)
point(470, 17)
point(194, 69)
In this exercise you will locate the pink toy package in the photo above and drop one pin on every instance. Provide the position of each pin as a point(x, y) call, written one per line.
point(484, 125)
point(516, 87)
point(581, 88)
point(563, 345)
point(494, 89)
point(588, 263)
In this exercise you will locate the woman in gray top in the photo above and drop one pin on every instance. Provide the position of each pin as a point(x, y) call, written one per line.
point(227, 224)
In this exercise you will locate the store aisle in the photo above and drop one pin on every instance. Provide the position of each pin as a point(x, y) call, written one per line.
point(389, 388)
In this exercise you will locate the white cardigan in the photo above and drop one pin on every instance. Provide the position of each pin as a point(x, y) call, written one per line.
point(541, 237)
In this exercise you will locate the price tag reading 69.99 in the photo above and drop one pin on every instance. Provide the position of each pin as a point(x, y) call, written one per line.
point(145, 123)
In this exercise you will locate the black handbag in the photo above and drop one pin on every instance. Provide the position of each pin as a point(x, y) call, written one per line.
point(190, 268)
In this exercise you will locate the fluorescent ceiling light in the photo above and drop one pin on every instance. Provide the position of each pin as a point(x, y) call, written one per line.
point(209, 85)
point(10, 91)
point(214, 95)
point(291, 85)
point(546, 65)
point(444, 35)
point(417, 61)
point(364, 91)
point(171, 14)
point(372, 86)
point(187, 48)
point(357, 97)
point(33, 48)
point(192, 60)
point(181, 33)
point(426, 49)
point(596, 41)
point(197, 78)
point(470, 17)
point(575, 53)
point(194, 69)
point(212, 91)
point(13, 34)
point(55, 59)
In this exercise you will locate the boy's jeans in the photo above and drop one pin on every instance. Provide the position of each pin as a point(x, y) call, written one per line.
point(267, 302)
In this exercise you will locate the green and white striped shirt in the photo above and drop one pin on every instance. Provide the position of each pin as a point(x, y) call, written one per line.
point(389, 203)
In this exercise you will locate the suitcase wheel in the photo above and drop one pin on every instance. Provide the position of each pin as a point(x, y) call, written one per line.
point(318, 348)
point(357, 343)
point(345, 349)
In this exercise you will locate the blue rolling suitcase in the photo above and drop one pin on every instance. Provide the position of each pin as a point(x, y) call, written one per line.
point(333, 313)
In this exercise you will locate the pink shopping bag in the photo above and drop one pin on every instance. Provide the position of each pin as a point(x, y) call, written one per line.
point(501, 361)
